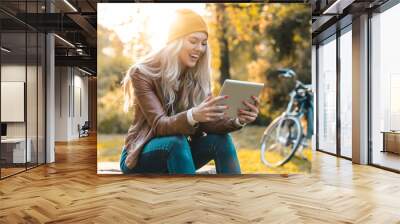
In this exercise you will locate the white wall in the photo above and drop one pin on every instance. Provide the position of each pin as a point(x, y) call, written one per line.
point(16, 73)
point(62, 81)
point(80, 93)
point(33, 126)
point(70, 84)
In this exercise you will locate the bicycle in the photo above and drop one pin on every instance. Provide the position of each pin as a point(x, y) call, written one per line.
point(285, 134)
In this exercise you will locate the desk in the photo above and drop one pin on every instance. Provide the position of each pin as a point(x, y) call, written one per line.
point(391, 141)
point(13, 150)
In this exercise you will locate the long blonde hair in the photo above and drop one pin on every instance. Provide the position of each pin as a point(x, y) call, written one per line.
point(164, 64)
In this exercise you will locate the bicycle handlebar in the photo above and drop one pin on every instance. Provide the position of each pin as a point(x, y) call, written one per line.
point(300, 85)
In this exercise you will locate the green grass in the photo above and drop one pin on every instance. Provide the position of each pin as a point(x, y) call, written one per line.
point(247, 142)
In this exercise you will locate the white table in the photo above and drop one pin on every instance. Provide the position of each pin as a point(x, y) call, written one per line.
point(18, 144)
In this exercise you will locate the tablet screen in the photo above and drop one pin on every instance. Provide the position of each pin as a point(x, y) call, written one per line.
point(238, 91)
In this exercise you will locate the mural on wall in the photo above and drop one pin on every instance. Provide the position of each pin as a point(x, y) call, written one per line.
point(174, 58)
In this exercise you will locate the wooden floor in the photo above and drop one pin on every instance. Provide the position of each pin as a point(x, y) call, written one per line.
point(10, 171)
point(387, 159)
point(70, 191)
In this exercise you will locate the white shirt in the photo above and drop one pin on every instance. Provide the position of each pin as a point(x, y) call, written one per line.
point(190, 118)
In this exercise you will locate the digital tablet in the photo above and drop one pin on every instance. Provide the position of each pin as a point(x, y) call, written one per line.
point(238, 91)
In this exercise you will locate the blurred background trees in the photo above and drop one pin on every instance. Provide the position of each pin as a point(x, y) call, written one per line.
point(258, 39)
point(112, 66)
point(248, 41)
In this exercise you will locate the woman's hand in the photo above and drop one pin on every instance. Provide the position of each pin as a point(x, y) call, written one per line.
point(248, 116)
point(210, 109)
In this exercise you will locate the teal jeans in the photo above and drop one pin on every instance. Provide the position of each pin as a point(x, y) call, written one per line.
point(176, 155)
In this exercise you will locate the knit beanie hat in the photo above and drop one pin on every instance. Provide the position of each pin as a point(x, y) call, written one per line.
point(186, 22)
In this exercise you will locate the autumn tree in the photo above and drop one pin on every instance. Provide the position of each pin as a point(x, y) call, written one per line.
point(251, 41)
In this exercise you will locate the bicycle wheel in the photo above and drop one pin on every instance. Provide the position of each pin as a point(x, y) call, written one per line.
point(280, 141)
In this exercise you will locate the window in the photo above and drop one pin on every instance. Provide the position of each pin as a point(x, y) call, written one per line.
point(327, 96)
point(346, 92)
point(385, 88)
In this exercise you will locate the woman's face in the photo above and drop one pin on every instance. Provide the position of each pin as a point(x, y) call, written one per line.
point(194, 46)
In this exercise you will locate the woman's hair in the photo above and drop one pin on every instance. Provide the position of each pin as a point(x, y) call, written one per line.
point(194, 85)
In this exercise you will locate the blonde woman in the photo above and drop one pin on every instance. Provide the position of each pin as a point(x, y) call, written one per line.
point(178, 126)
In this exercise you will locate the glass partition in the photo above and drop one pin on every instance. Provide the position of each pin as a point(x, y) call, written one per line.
point(22, 88)
point(13, 105)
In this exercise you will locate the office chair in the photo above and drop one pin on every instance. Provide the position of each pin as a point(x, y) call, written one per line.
point(84, 130)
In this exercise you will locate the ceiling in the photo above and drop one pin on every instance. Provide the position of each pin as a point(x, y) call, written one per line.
point(76, 22)
point(330, 15)
point(73, 21)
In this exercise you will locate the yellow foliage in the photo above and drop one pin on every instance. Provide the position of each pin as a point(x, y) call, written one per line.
point(256, 70)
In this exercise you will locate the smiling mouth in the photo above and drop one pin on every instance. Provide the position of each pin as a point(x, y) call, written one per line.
point(194, 57)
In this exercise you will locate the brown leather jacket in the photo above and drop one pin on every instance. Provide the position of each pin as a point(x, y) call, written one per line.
point(151, 119)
